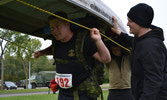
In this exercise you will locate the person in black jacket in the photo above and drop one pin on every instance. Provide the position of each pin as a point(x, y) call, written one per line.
point(149, 54)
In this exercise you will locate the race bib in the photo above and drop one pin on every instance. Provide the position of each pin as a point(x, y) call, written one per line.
point(64, 80)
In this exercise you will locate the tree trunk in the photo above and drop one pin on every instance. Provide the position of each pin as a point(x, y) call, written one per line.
point(2, 72)
point(26, 72)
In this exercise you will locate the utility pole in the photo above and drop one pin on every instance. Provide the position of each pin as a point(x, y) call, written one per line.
point(29, 84)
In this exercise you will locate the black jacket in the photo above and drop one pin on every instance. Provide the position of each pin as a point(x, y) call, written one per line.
point(148, 59)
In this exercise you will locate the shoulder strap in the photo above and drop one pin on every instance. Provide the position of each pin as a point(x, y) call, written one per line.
point(79, 43)
point(79, 47)
point(80, 54)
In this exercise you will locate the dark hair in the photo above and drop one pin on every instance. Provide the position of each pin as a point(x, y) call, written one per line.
point(110, 44)
point(59, 13)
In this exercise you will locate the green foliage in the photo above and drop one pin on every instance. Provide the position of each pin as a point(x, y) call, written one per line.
point(42, 64)
point(18, 52)
point(4, 35)
point(13, 69)
point(23, 46)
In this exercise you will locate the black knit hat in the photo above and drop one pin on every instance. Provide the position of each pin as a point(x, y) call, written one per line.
point(142, 14)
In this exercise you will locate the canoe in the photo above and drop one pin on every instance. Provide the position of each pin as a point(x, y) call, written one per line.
point(25, 19)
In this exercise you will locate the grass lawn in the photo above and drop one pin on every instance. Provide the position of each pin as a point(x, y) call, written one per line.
point(41, 97)
point(23, 91)
point(38, 97)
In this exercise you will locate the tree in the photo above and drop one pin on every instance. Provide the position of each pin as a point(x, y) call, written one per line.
point(24, 50)
point(7, 35)
point(42, 64)
point(13, 69)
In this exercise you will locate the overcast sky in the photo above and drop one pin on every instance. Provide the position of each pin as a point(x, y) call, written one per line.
point(121, 7)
